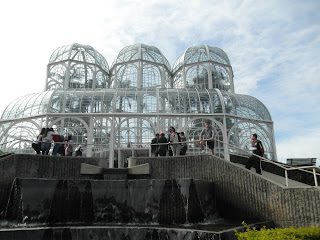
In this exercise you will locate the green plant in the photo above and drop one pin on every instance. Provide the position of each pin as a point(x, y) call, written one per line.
point(307, 233)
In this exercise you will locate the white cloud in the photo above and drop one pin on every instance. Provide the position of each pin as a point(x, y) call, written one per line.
point(274, 46)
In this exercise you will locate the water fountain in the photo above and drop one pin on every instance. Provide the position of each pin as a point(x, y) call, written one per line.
point(46, 208)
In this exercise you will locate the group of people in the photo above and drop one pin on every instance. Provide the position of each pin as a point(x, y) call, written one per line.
point(64, 146)
point(175, 144)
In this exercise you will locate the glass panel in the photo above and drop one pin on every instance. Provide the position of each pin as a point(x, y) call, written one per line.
point(81, 76)
point(197, 77)
point(127, 76)
point(56, 76)
point(151, 76)
point(220, 78)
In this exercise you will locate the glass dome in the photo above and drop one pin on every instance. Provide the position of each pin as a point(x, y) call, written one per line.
point(141, 60)
point(201, 53)
point(77, 66)
point(141, 52)
point(203, 67)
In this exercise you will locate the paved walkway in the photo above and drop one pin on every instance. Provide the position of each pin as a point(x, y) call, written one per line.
point(278, 179)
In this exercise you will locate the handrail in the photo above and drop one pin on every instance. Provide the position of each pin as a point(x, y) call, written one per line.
point(286, 169)
point(302, 168)
point(64, 142)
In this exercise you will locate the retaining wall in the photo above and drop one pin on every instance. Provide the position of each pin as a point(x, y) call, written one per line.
point(38, 166)
point(242, 191)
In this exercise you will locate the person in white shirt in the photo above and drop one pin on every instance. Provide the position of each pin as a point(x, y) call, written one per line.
point(47, 138)
point(174, 139)
point(206, 137)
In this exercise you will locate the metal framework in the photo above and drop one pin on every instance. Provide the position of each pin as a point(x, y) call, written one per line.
point(112, 110)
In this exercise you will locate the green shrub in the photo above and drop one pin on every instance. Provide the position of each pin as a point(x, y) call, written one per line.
point(308, 233)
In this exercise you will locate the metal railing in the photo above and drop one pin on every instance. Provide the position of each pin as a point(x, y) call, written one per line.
point(229, 146)
point(285, 168)
point(99, 148)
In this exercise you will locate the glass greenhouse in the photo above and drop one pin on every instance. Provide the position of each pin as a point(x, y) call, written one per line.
point(112, 111)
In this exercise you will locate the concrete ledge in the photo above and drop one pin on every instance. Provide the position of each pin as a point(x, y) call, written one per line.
point(115, 171)
point(132, 162)
point(90, 169)
point(142, 169)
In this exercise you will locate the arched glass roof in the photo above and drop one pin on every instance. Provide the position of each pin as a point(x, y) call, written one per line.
point(132, 101)
point(201, 53)
point(141, 52)
point(29, 105)
point(81, 53)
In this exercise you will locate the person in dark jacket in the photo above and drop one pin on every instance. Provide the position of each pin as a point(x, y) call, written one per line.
point(162, 147)
point(257, 149)
point(154, 147)
point(184, 144)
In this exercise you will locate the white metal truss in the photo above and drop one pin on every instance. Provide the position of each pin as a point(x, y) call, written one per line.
point(107, 110)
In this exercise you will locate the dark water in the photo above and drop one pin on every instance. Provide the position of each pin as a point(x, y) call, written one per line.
point(169, 202)
point(122, 209)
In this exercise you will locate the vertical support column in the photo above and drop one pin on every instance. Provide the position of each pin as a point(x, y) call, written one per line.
point(111, 145)
point(163, 78)
point(225, 139)
point(67, 78)
point(120, 159)
point(274, 157)
point(231, 79)
point(184, 77)
point(90, 138)
point(139, 78)
point(94, 80)
point(158, 109)
point(210, 83)
point(47, 76)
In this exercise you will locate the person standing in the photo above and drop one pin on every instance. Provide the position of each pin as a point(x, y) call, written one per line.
point(206, 138)
point(163, 145)
point(184, 144)
point(154, 146)
point(257, 149)
point(69, 146)
point(36, 145)
point(174, 140)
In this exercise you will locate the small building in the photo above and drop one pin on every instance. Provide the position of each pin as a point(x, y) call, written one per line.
point(302, 161)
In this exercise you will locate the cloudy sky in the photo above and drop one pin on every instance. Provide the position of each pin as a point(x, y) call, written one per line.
point(274, 48)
